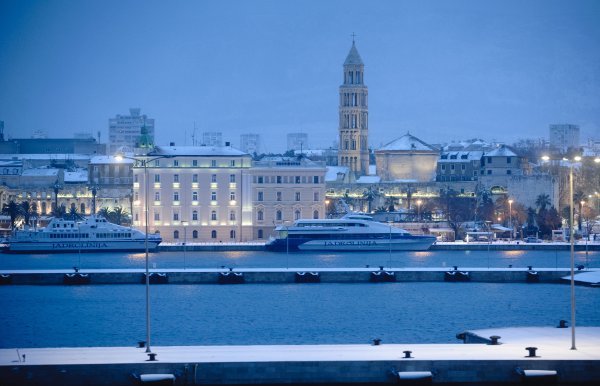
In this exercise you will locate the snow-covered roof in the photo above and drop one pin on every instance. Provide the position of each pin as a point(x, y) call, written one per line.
point(109, 159)
point(212, 151)
point(80, 175)
point(457, 156)
point(353, 57)
point(332, 172)
point(75, 157)
point(502, 151)
point(408, 142)
point(368, 180)
point(40, 172)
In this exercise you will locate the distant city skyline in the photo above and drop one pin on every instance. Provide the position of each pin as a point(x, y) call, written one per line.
point(441, 70)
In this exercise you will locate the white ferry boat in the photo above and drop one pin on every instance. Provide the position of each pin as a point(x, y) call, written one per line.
point(93, 234)
point(353, 232)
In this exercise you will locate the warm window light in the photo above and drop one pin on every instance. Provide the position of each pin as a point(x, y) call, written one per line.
point(577, 158)
point(546, 158)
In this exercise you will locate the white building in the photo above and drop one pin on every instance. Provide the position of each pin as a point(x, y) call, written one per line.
point(250, 143)
point(198, 193)
point(212, 138)
point(297, 141)
point(564, 137)
point(130, 131)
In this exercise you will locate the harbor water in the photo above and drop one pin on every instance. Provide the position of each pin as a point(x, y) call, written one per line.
point(114, 315)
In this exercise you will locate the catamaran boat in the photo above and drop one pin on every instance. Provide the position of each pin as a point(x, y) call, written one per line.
point(353, 232)
point(93, 234)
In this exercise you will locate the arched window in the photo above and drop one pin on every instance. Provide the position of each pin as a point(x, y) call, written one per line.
point(278, 215)
point(195, 215)
point(232, 234)
point(213, 215)
point(176, 235)
point(316, 214)
point(297, 215)
point(260, 233)
point(195, 234)
point(232, 216)
point(43, 208)
point(213, 234)
point(82, 206)
point(260, 215)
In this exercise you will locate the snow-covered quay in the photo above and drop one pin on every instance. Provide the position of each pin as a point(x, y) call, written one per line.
point(510, 361)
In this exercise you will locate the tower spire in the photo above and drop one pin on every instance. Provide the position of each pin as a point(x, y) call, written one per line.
point(353, 128)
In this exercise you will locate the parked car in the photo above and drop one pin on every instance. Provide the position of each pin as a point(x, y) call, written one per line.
point(532, 240)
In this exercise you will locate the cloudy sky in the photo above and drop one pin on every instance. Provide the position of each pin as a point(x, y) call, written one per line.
point(443, 70)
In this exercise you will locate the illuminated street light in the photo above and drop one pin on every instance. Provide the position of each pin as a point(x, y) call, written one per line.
point(510, 219)
point(144, 163)
point(572, 240)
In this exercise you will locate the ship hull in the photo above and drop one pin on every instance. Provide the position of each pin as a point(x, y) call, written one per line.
point(81, 246)
point(411, 243)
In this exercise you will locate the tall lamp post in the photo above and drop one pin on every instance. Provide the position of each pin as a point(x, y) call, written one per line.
point(143, 162)
point(572, 240)
point(419, 202)
point(510, 219)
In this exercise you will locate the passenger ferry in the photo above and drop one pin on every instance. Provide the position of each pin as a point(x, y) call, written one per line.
point(353, 232)
point(93, 234)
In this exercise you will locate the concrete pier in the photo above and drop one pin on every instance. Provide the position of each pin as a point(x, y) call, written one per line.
point(503, 363)
point(284, 275)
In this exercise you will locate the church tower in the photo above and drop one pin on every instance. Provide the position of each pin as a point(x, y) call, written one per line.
point(353, 150)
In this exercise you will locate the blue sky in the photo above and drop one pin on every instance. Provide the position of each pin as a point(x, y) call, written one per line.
point(443, 70)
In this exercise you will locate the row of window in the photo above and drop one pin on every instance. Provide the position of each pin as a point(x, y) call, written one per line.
point(176, 179)
point(286, 179)
point(213, 234)
point(126, 235)
point(176, 196)
point(195, 163)
point(279, 196)
point(260, 215)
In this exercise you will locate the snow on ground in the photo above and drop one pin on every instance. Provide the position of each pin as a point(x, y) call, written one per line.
point(552, 344)
point(591, 277)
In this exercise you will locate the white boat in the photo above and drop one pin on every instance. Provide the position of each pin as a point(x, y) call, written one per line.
point(353, 232)
point(93, 234)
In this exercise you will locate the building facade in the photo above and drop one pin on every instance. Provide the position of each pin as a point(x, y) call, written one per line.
point(195, 193)
point(126, 131)
point(353, 126)
point(250, 143)
point(407, 158)
point(564, 137)
point(212, 138)
point(285, 189)
point(297, 141)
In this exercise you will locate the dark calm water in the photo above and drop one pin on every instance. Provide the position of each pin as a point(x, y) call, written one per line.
point(114, 315)
point(257, 259)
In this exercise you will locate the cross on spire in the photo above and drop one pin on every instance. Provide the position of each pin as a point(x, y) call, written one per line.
point(353, 36)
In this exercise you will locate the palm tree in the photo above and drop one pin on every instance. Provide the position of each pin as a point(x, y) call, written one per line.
point(73, 213)
point(34, 213)
point(104, 212)
point(369, 195)
point(13, 210)
point(26, 211)
point(542, 201)
point(59, 211)
point(117, 215)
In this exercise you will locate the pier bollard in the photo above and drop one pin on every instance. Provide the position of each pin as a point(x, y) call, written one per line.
point(532, 277)
point(531, 352)
point(141, 344)
point(5, 279)
point(580, 267)
point(407, 354)
point(456, 267)
point(562, 324)
point(152, 357)
point(376, 342)
point(494, 340)
point(530, 267)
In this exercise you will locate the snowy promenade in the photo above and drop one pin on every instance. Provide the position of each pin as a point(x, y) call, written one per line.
point(448, 363)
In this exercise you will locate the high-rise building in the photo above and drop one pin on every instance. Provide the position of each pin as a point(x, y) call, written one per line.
point(126, 132)
point(353, 116)
point(212, 138)
point(564, 137)
point(297, 141)
point(250, 143)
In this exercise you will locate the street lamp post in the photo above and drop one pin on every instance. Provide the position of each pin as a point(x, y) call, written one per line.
point(572, 241)
point(144, 163)
point(419, 202)
point(510, 219)
point(185, 224)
